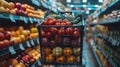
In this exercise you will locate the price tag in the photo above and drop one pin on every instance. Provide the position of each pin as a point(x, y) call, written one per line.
point(12, 50)
point(21, 18)
point(12, 18)
point(25, 19)
point(38, 40)
point(33, 65)
point(35, 19)
point(21, 46)
point(31, 20)
point(28, 44)
point(39, 62)
point(39, 22)
point(32, 42)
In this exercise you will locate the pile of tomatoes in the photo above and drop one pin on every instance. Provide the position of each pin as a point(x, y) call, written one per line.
point(47, 32)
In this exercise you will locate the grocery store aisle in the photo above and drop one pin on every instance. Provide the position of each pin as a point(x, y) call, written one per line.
point(88, 57)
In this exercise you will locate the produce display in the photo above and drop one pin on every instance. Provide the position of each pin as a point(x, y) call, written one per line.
point(13, 36)
point(22, 58)
point(60, 42)
point(20, 9)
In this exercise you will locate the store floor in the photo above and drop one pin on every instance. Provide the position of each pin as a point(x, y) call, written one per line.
point(88, 57)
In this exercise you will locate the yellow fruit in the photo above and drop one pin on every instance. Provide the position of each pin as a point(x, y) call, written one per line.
point(7, 10)
point(2, 9)
point(12, 12)
point(10, 5)
point(22, 38)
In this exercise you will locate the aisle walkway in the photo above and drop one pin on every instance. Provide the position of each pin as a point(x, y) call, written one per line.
point(88, 57)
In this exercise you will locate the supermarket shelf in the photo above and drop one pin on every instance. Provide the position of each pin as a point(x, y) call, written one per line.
point(22, 46)
point(48, 7)
point(14, 18)
point(93, 48)
point(110, 60)
point(105, 22)
point(113, 41)
point(34, 3)
point(114, 5)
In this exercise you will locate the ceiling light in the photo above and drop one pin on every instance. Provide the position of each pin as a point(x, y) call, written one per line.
point(84, 1)
point(96, 6)
point(89, 8)
point(68, 0)
point(71, 5)
point(100, 0)
point(84, 5)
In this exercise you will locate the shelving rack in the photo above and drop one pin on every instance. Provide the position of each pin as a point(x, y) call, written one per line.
point(112, 6)
point(110, 42)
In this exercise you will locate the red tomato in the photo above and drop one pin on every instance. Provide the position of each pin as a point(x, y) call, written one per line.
point(57, 23)
point(54, 30)
point(43, 34)
point(46, 29)
point(69, 31)
point(76, 34)
point(44, 23)
point(62, 28)
point(61, 32)
point(68, 23)
point(48, 34)
point(50, 22)
point(76, 29)
point(63, 24)
point(49, 19)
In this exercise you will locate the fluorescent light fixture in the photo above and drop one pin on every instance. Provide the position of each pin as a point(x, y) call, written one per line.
point(84, 6)
point(68, 0)
point(89, 8)
point(100, 0)
point(71, 5)
point(96, 6)
point(84, 1)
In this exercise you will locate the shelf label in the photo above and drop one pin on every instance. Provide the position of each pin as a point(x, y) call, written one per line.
point(31, 20)
point(12, 18)
point(38, 40)
point(39, 62)
point(35, 19)
point(25, 19)
point(33, 65)
point(12, 50)
point(28, 44)
point(21, 18)
point(32, 42)
point(21, 46)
